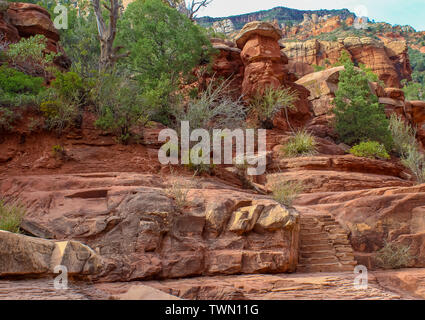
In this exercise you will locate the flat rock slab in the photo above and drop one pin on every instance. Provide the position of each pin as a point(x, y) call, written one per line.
point(308, 286)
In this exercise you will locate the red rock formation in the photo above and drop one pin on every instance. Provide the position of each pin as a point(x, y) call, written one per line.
point(418, 118)
point(265, 67)
point(8, 32)
point(261, 56)
point(134, 224)
point(23, 20)
point(374, 216)
point(389, 61)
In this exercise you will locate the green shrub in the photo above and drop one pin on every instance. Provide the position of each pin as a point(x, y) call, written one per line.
point(264, 106)
point(11, 216)
point(7, 119)
point(213, 109)
point(318, 68)
point(70, 87)
point(301, 144)
point(414, 160)
point(15, 82)
point(403, 135)
point(16, 90)
point(286, 192)
point(62, 103)
point(393, 256)
point(30, 54)
point(165, 47)
point(358, 114)
point(407, 147)
point(59, 116)
point(120, 106)
point(370, 149)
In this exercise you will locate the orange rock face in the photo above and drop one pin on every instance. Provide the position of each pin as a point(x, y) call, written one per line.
point(388, 60)
point(143, 235)
point(31, 19)
point(264, 66)
point(261, 56)
point(23, 20)
point(418, 118)
point(374, 216)
point(8, 31)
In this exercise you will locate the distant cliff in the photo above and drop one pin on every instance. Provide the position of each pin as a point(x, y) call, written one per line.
point(281, 14)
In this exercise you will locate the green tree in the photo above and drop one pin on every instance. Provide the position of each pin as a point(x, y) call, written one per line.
point(165, 46)
point(358, 115)
point(414, 91)
point(80, 41)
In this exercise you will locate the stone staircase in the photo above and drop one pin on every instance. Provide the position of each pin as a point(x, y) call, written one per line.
point(324, 246)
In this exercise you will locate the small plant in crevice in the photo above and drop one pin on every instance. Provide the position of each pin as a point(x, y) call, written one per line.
point(301, 144)
point(393, 256)
point(285, 192)
point(58, 152)
point(179, 190)
point(201, 167)
point(415, 162)
point(407, 147)
point(371, 150)
point(404, 135)
point(11, 215)
point(265, 105)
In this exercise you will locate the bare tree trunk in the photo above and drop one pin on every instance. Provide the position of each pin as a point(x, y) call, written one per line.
point(194, 6)
point(190, 8)
point(107, 33)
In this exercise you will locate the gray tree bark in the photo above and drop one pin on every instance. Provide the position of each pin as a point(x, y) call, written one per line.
point(107, 33)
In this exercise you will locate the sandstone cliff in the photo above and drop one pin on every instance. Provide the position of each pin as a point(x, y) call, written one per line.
point(389, 60)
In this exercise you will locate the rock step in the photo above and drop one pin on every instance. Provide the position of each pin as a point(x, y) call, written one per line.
point(324, 246)
point(325, 267)
point(318, 261)
point(320, 254)
point(311, 242)
point(314, 247)
point(308, 236)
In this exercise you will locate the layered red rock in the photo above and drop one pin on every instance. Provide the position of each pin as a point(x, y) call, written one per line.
point(265, 67)
point(388, 60)
point(374, 216)
point(261, 56)
point(23, 20)
point(134, 224)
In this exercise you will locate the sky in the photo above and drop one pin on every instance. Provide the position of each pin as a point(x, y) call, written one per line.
point(403, 12)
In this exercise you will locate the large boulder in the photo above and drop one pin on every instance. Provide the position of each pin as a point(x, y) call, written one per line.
point(133, 222)
point(8, 32)
point(23, 255)
point(322, 86)
point(23, 20)
point(31, 19)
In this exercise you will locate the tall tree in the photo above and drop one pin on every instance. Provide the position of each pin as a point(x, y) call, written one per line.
point(358, 115)
point(107, 32)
